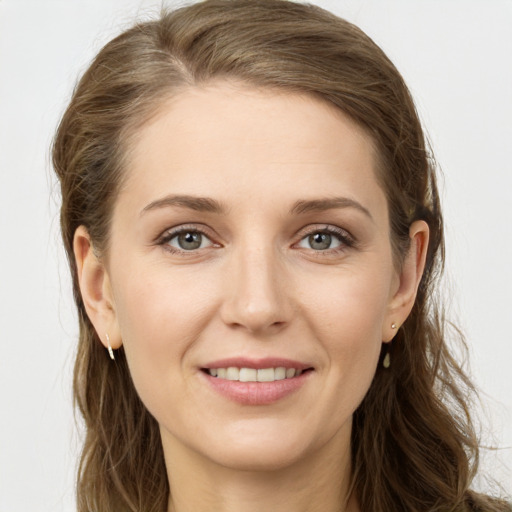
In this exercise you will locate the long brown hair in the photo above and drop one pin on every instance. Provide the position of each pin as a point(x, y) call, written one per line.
point(413, 444)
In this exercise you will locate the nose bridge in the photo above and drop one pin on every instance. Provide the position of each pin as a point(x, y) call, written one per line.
point(256, 298)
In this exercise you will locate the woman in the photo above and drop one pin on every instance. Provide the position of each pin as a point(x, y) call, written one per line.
point(253, 227)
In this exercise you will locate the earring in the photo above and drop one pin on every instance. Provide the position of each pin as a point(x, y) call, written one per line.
point(386, 362)
point(109, 348)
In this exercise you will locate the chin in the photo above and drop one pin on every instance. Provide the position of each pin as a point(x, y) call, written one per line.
point(259, 450)
point(258, 458)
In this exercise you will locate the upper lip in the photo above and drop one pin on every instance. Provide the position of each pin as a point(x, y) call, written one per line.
point(257, 364)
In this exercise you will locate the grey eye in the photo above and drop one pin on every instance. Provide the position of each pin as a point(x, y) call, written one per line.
point(189, 241)
point(320, 241)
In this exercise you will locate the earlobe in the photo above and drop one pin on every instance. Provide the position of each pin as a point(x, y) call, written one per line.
point(411, 272)
point(95, 288)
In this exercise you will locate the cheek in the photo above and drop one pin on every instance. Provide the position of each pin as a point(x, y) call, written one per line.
point(156, 306)
point(346, 315)
point(349, 306)
point(159, 320)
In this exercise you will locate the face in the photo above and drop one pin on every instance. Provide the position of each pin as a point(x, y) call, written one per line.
point(250, 276)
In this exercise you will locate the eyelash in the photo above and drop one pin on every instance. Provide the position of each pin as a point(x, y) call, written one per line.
point(167, 236)
point(346, 240)
point(344, 237)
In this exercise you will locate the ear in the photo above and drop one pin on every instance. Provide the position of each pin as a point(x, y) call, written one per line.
point(406, 287)
point(95, 288)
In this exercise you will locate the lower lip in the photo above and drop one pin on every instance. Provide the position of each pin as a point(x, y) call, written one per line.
point(256, 393)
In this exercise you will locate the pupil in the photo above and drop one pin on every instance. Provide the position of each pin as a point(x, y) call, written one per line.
point(189, 240)
point(320, 241)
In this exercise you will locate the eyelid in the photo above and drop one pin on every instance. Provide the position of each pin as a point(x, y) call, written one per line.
point(171, 233)
point(345, 237)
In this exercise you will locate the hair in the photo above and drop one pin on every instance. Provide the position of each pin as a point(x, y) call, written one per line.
point(414, 447)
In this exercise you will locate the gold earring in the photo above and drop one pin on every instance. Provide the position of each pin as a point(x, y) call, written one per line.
point(386, 362)
point(109, 348)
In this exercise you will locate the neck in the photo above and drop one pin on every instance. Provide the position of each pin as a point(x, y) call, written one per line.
point(318, 483)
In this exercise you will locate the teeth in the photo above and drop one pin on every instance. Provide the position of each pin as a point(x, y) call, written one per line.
point(233, 373)
point(266, 375)
point(280, 373)
point(248, 375)
point(253, 375)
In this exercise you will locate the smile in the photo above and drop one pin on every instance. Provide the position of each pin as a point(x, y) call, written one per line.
point(254, 375)
point(256, 381)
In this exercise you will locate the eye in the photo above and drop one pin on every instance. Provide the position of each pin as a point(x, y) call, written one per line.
point(326, 239)
point(320, 241)
point(187, 240)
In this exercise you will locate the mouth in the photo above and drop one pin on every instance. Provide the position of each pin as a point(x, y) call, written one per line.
point(244, 374)
point(256, 382)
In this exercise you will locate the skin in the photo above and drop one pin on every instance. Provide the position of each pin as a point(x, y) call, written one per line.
point(256, 288)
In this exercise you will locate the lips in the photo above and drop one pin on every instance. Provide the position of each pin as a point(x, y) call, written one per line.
point(256, 382)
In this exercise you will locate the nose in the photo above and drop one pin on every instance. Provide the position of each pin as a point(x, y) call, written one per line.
point(257, 298)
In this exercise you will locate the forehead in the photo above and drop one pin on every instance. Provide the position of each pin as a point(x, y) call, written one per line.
point(233, 142)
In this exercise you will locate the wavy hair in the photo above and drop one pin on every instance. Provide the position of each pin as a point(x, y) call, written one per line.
point(414, 447)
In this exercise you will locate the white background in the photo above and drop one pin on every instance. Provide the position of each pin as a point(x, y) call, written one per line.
point(456, 55)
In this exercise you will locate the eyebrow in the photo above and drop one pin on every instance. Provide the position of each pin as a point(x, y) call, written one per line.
point(199, 204)
point(319, 205)
point(206, 204)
